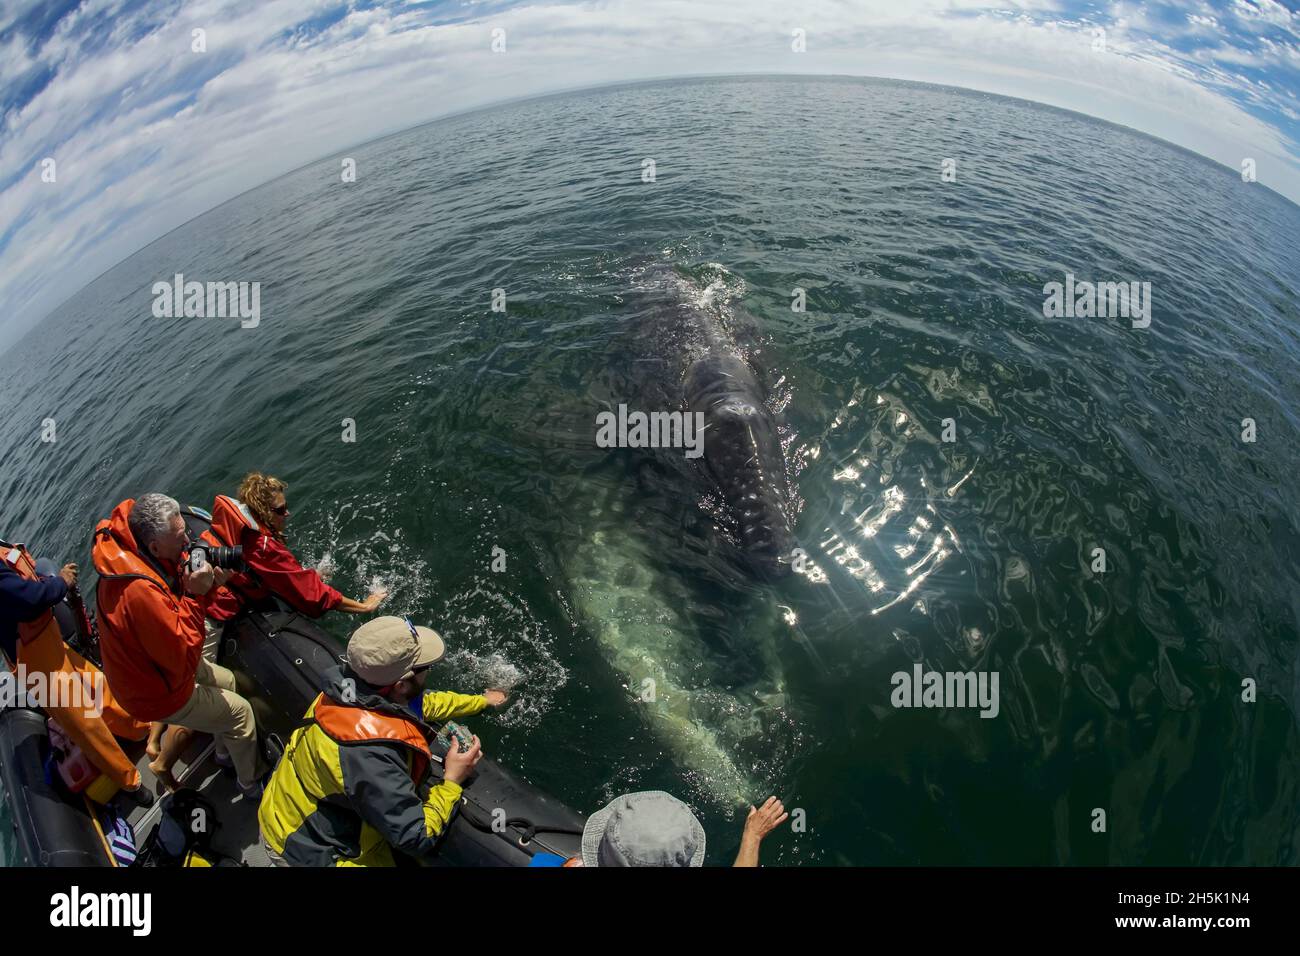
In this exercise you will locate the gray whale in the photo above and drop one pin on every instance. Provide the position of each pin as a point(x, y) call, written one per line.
point(707, 355)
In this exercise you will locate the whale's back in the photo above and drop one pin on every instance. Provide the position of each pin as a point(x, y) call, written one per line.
point(742, 452)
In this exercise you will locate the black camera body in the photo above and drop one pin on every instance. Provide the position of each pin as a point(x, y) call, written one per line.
point(201, 553)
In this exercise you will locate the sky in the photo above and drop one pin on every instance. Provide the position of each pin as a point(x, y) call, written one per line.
point(147, 130)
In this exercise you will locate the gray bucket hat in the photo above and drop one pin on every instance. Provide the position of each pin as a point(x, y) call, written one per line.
point(651, 828)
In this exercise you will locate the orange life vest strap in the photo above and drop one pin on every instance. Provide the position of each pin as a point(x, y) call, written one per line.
point(20, 559)
point(350, 724)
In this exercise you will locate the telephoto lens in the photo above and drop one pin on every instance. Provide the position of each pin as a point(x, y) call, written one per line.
point(231, 559)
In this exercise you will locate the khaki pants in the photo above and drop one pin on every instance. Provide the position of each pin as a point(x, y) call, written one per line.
point(216, 709)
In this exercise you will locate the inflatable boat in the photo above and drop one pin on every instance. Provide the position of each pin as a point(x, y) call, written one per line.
point(279, 658)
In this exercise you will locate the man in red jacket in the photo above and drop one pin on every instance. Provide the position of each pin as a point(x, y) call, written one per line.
point(151, 612)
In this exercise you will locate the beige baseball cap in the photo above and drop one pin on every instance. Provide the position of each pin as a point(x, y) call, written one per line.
point(383, 651)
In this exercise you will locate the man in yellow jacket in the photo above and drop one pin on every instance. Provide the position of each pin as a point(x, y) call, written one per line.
point(356, 782)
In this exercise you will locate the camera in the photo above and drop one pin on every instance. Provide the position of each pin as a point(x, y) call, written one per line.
point(201, 553)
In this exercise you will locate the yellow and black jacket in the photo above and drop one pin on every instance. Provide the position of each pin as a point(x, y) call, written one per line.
point(355, 782)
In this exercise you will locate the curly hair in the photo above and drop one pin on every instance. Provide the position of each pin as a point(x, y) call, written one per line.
point(258, 491)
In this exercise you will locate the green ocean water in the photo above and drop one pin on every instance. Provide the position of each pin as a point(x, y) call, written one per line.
point(474, 430)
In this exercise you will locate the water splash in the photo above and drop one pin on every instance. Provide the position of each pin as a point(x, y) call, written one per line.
point(496, 640)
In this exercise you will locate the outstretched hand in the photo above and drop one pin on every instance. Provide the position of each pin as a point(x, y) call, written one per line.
point(69, 574)
point(765, 819)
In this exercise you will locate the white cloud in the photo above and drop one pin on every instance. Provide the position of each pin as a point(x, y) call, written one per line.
point(281, 97)
point(1263, 12)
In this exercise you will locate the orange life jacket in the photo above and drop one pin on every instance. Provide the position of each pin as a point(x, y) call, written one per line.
point(230, 519)
point(113, 557)
point(352, 724)
point(151, 684)
point(20, 560)
point(41, 649)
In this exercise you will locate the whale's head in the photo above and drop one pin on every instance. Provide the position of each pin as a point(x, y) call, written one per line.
point(742, 453)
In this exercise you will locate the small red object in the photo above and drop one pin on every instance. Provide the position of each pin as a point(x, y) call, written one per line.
point(75, 768)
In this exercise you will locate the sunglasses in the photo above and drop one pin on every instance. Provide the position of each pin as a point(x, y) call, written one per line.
point(282, 510)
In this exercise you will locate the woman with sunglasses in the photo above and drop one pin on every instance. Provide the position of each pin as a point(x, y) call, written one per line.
point(257, 521)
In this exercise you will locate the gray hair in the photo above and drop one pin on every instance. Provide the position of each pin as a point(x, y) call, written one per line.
point(151, 518)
